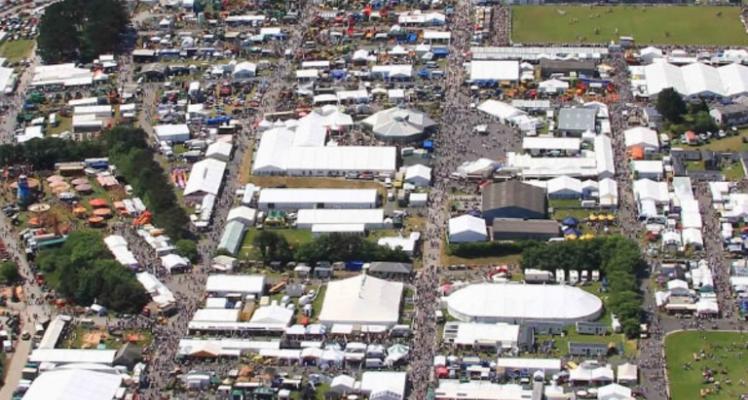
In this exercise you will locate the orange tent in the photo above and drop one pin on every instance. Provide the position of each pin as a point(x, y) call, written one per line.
point(95, 221)
point(636, 152)
point(103, 212)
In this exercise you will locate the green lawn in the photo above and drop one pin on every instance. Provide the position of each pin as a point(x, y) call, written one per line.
point(295, 238)
point(317, 303)
point(695, 166)
point(690, 353)
point(647, 24)
point(564, 203)
point(65, 124)
point(563, 208)
point(16, 50)
point(728, 145)
point(733, 172)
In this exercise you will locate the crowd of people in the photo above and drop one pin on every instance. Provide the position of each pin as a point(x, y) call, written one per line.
point(501, 25)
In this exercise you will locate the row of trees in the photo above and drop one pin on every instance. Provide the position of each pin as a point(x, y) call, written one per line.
point(619, 261)
point(333, 247)
point(42, 154)
point(487, 249)
point(80, 30)
point(129, 151)
point(85, 272)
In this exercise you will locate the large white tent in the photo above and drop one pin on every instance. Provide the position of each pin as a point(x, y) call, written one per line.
point(301, 198)
point(494, 70)
point(280, 153)
point(361, 300)
point(515, 303)
point(74, 384)
point(503, 111)
point(467, 228)
point(692, 80)
point(206, 177)
point(641, 136)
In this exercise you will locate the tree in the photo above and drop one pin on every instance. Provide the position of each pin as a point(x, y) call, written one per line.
point(9, 272)
point(80, 30)
point(703, 122)
point(187, 248)
point(272, 246)
point(670, 105)
point(58, 38)
point(88, 273)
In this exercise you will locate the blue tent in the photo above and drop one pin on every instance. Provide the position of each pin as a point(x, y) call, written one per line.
point(412, 38)
point(428, 144)
point(218, 120)
point(338, 73)
point(424, 73)
point(440, 51)
point(570, 221)
point(354, 265)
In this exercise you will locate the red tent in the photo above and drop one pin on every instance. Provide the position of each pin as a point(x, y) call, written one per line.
point(442, 372)
point(98, 203)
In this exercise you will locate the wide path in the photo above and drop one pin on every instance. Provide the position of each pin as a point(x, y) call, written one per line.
point(427, 281)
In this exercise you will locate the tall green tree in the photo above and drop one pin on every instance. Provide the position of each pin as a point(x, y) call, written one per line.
point(87, 273)
point(187, 248)
point(9, 272)
point(80, 30)
point(670, 105)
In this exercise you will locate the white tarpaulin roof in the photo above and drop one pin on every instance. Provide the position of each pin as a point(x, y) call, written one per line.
point(489, 302)
point(361, 299)
point(74, 384)
point(691, 80)
point(494, 70)
point(206, 177)
point(501, 110)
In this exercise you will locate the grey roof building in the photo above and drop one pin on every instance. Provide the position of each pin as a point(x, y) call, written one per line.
point(232, 237)
point(517, 229)
point(399, 124)
point(575, 121)
point(549, 67)
point(390, 269)
point(588, 349)
point(513, 199)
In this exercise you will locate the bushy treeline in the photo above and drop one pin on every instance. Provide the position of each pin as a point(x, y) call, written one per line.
point(86, 272)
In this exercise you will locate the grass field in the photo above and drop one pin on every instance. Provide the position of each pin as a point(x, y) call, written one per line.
point(16, 50)
point(689, 354)
point(729, 144)
point(647, 24)
point(295, 238)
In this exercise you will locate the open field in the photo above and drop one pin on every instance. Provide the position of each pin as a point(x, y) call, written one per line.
point(295, 237)
point(695, 25)
point(728, 145)
point(689, 354)
point(16, 50)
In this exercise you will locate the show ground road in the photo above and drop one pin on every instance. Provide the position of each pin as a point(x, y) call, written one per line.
point(30, 312)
